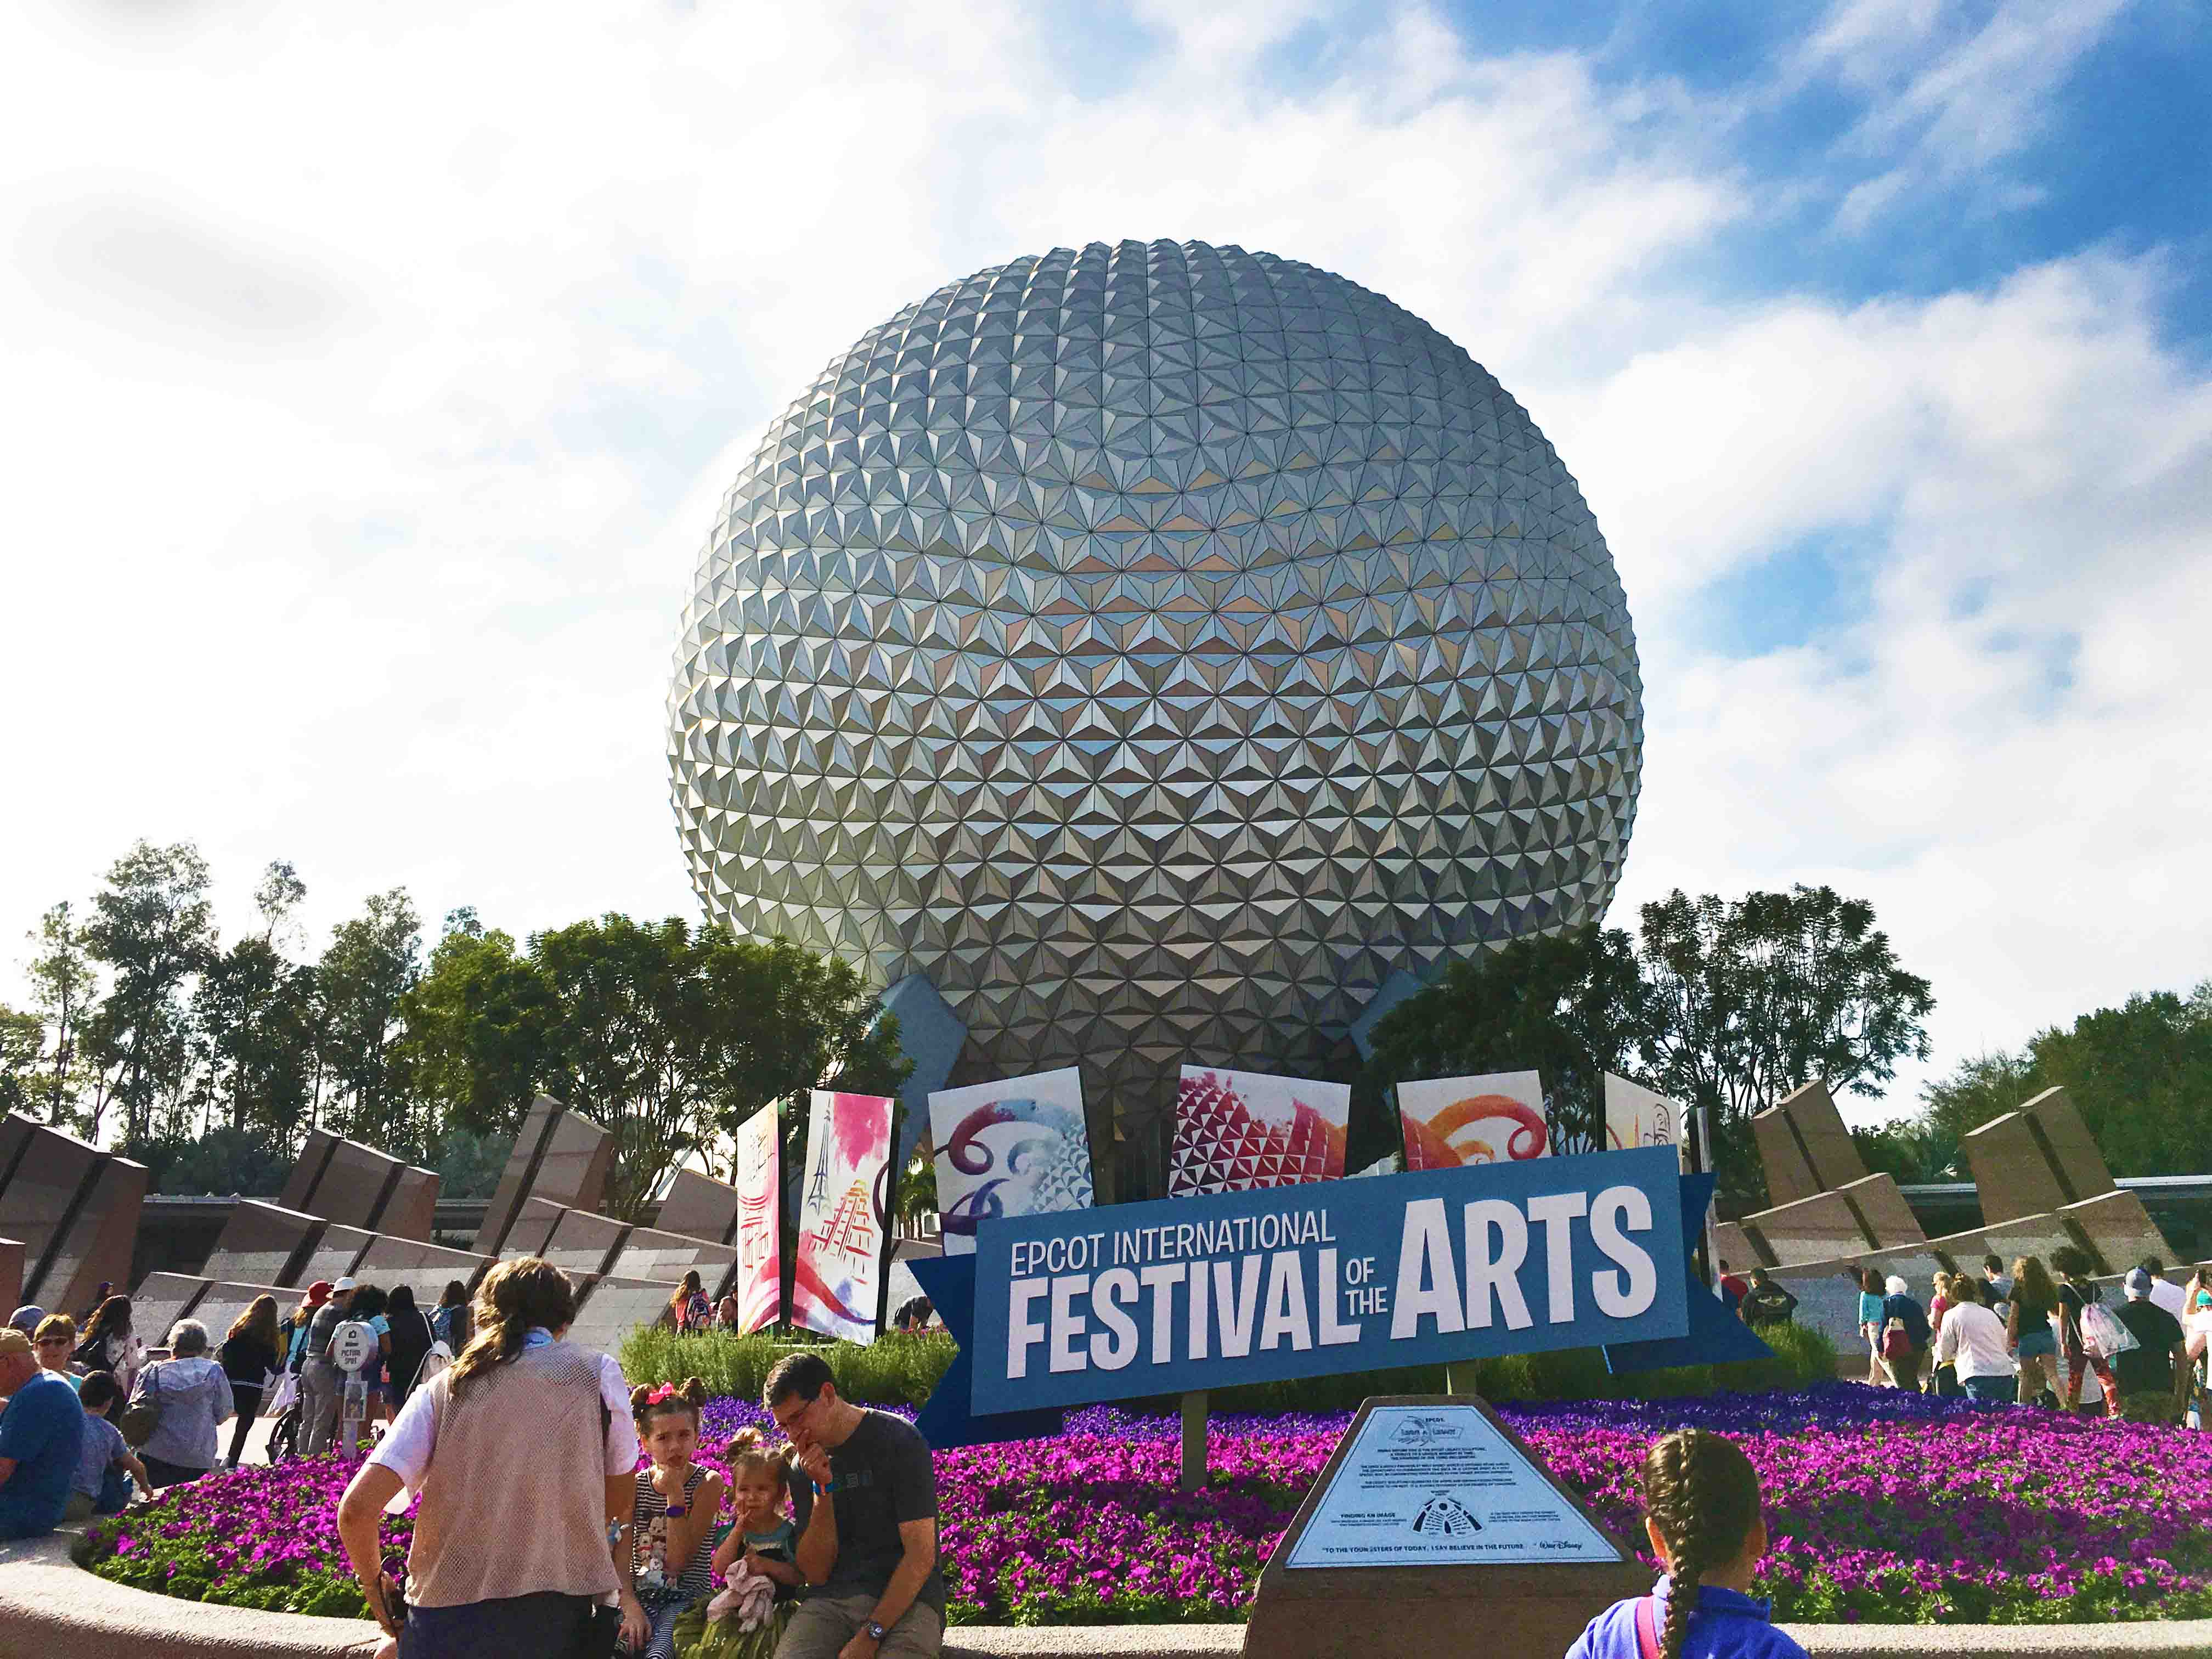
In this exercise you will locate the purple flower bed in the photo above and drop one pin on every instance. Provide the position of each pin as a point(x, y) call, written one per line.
point(1884, 1507)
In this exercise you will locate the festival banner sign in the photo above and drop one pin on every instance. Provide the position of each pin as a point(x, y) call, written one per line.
point(1635, 1116)
point(1497, 1118)
point(1178, 1296)
point(1239, 1131)
point(1016, 1147)
point(760, 1221)
point(841, 1215)
point(1183, 1295)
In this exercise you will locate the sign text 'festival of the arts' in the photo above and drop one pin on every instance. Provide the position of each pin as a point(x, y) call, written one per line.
point(1183, 1295)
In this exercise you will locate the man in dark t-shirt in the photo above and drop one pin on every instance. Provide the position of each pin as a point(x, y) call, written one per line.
point(870, 1535)
point(2153, 1374)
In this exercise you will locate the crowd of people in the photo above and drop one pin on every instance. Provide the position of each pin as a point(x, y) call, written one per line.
point(2032, 1334)
point(829, 1548)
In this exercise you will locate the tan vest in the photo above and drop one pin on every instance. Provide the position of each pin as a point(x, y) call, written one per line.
point(515, 1502)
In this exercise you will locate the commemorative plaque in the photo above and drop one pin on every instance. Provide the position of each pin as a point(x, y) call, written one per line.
point(1433, 1522)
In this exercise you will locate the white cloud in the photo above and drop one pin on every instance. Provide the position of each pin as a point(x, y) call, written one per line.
point(1947, 97)
point(371, 381)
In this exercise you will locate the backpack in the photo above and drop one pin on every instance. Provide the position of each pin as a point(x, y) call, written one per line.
point(2103, 1331)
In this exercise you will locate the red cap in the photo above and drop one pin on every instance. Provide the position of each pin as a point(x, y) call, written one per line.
point(318, 1292)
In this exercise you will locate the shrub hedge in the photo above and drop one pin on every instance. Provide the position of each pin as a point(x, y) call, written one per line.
point(900, 1370)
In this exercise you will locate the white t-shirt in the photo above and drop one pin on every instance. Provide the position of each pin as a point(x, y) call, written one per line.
point(413, 1436)
point(2166, 1294)
point(1973, 1340)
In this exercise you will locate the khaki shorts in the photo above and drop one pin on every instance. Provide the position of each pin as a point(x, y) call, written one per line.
point(823, 1625)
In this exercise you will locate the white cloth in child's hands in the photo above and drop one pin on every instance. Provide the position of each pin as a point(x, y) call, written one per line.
point(748, 1596)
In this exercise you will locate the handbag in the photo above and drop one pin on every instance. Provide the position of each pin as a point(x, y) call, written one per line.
point(143, 1415)
point(286, 1395)
point(1895, 1343)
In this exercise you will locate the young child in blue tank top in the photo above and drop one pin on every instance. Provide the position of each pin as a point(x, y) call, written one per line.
point(1702, 1513)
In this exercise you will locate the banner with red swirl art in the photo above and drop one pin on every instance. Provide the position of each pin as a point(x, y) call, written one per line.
point(1017, 1147)
point(1497, 1118)
point(843, 1208)
point(1235, 1132)
point(760, 1221)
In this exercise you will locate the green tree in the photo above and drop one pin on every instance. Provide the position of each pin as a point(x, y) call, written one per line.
point(255, 1016)
point(481, 1028)
point(360, 982)
point(223, 1161)
point(671, 1038)
point(2141, 1075)
point(468, 1164)
point(1748, 999)
point(1568, 1006)
point(23, 1047)
point(279, 894)
point(65, 992)
point(154, 929)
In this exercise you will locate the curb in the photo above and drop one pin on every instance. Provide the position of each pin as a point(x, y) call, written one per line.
point(51, 1609)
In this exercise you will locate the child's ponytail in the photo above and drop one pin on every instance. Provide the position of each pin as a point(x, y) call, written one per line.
point(647, 1403)
point(1703, 1494)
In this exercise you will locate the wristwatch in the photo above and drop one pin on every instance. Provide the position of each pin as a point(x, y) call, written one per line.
point(876, 1632)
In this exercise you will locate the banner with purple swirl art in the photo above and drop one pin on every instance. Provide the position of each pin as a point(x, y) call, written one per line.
point(1018, 1146)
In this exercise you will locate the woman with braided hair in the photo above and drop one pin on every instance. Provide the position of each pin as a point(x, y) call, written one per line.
point(1702, 1513)
point(523, 1452)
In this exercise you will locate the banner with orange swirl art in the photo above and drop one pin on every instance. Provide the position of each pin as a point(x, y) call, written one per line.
point(1452, 1121)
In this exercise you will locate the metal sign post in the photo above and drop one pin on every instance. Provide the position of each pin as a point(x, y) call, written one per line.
point(353, 1346)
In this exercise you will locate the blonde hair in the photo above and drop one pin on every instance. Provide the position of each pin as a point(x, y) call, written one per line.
point(748, 1452)
point(513, 1296)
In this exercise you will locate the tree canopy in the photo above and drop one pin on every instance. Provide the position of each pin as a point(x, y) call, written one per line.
point(211, 1064)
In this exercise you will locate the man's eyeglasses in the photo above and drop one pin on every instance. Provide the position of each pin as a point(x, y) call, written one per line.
point(51, 1342)
point(787, 1424)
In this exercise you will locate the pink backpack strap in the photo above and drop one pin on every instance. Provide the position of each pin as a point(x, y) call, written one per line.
point(1647, 1625)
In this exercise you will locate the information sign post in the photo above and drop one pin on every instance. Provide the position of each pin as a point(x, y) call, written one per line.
point(1434, 1520)
point(353, 1346)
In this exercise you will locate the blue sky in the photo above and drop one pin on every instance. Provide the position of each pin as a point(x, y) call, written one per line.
point(373, 379)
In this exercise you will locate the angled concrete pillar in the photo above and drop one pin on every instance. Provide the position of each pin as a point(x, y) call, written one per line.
point(1804, 1146)
point(2035, 1160)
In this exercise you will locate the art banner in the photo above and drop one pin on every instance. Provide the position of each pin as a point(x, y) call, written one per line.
point(1017, 1147)
point(1239, 1131)
point(760, 1221)
point(1634, 1116)
point(842, 1212)
point(1497, 1118)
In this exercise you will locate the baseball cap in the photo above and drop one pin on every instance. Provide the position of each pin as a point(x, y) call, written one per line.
point(14, 1341)
point(2139, 1282)
point(26, 1318)
point(318, 1292)
point(347, 1283)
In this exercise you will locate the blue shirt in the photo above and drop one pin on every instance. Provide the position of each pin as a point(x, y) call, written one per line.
point(1916, 1320)
point(1726, 1625)
point(42, 1429)
point(103, 1447)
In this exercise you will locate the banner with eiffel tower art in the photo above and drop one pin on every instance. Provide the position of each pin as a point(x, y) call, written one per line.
point(1238, 1132)
point(841, 1215)
point(1018, 1146)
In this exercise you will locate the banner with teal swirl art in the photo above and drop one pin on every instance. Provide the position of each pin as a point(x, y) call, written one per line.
point(1019, 1146)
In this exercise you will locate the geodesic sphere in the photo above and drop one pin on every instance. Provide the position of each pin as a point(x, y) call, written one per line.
point(1156, 645)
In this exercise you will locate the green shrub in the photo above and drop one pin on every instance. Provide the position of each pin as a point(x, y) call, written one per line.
point(894, 1370)
point(900, 1370)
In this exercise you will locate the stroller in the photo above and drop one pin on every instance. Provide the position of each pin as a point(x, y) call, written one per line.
point(284, 1432)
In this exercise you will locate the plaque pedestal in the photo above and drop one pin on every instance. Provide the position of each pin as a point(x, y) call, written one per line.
point(1434, 1532)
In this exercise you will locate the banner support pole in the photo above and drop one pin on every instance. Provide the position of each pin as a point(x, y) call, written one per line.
point(1193, 1441)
